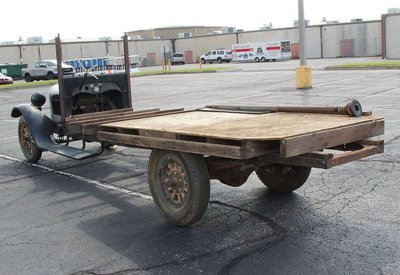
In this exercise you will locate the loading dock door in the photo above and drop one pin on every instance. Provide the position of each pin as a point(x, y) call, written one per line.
point(347, 48)
point(188, 57)
point(152, 57)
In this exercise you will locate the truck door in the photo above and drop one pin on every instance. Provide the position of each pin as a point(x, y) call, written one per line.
point(40, 68)
point(213, 56)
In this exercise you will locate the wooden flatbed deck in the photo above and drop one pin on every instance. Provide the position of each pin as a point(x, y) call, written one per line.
point(238, 135)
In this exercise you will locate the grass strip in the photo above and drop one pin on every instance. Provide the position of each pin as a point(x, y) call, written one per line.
point(43, 83)
point(368, 65)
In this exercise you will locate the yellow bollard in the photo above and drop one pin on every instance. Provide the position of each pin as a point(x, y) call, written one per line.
point(303, 77)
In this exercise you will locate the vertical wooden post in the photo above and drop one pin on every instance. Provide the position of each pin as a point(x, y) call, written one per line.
point(60, 78)
point(127, 69)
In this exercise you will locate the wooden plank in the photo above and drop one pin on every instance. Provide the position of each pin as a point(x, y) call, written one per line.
point(326, 160)
point(92, 127)
point(74, 117)
point(305, 143)
point(251, 149)
point(218, 150)
point(368, 150)
point(234, 126)
point(109, 117)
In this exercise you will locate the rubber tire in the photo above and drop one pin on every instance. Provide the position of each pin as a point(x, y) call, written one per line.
point(283, 178)
point(198, 180)
point(36, 154)
point(203, 61)
point(263, 59)
point(28, 78)
point(219, 60)
point(50, 76)
point(257, 59)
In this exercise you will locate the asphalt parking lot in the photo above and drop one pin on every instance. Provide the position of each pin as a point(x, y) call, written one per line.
point(96, 216)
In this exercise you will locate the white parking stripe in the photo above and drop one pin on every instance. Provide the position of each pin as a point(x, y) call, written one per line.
point(7, 138)
point(80, 178)
point(9, 120)
point(337, 81)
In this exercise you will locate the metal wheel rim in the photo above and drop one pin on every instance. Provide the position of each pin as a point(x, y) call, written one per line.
point(173, 183)
point(27, 140)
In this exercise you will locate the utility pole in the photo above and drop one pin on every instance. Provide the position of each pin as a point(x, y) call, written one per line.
point(303, 72)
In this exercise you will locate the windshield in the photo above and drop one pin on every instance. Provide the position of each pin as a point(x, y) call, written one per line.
point(51, 63)
point(178, 55)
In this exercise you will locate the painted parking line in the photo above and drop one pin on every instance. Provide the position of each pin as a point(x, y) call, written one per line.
point(9, 120)
point(338, 81)
point(80, 178)
point(7, 138)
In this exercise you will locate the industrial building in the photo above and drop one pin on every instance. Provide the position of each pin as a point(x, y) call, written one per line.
point(172, 32)
point(351, 39)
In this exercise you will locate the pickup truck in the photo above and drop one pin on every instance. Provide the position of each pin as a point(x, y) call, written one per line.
point(46, 70)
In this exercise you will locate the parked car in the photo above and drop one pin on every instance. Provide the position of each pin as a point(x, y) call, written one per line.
point(177, 58)
point(46, 70)
point(5, 79)
point(216, 56)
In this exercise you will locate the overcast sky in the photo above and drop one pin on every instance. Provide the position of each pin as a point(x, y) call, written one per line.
point(93, 19)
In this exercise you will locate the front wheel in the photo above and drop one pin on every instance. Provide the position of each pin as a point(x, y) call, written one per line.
point(203, 61)
point(219, 60)
point(180, 185)
point(257, 59)
point(27, 143)
point(263, 59)
point(283, 178)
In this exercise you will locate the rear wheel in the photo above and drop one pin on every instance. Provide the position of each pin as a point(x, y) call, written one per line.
point(28, 78)
point(283, 178)
point(263, 59)
point(50, 76)
point(180, 185)
point(28, 145)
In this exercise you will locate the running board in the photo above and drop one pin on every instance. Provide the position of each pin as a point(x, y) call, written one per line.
point(70, 152)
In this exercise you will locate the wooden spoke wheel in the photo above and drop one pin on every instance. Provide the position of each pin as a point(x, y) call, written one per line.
point(180, 185)
point(28, 145)
point(283, 178)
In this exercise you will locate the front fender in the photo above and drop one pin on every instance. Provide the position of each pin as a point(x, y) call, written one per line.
point(40, 125)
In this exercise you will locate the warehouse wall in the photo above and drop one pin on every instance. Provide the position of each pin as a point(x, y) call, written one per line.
point(392, 34)
point(31, 53)
point(365, 38)
point(327, 41)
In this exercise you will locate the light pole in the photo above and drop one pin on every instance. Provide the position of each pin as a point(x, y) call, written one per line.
point(303, 72)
